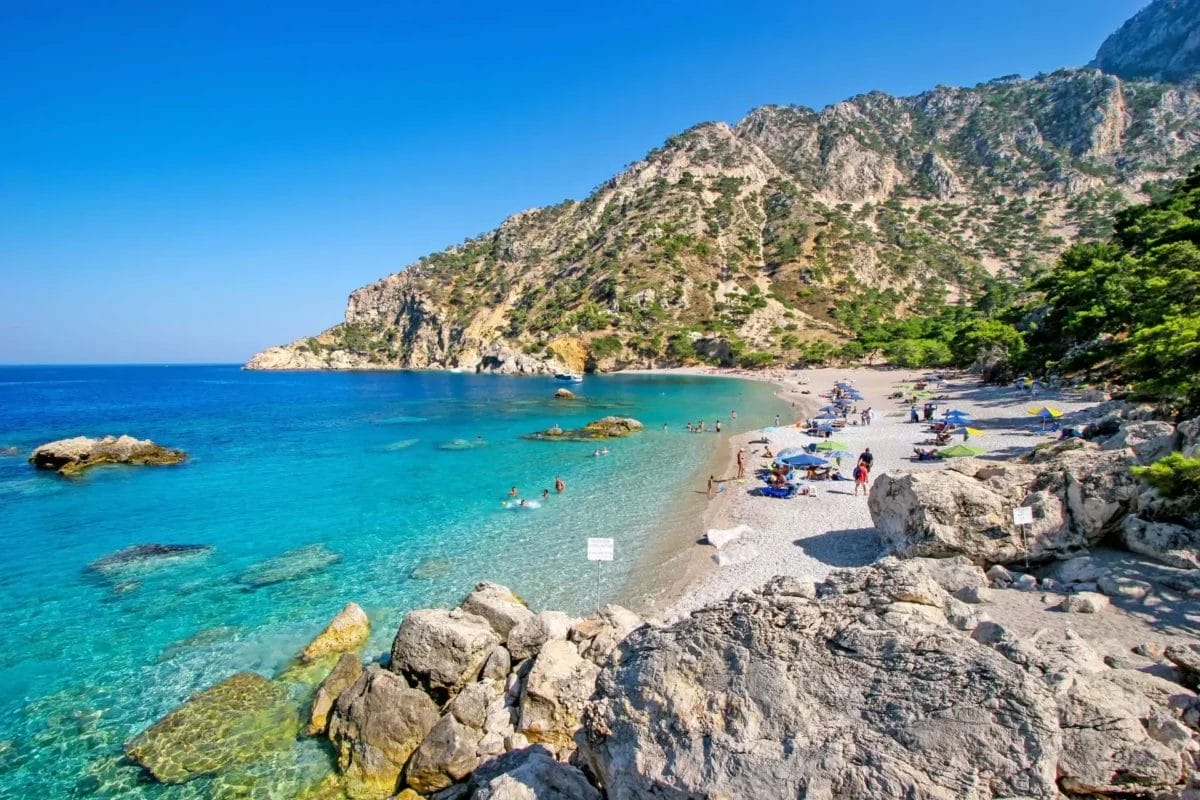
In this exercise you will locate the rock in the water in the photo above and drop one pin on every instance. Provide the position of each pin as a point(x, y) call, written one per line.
point(606, 428)
point(1078, 494)
point(289, 566)
point(241, 719)
point(555, 692)
point(140, 558)
point(345, 633)
point(447, 754)
point(526, 773)
point(525, 639)
point(1084, 603)
point(431, 569)
point(73, 456)
point(498, 605)
point(343, 675)
point(376, 725)
point(442, 651)
point(564, 394)
point(1171, 544)
point(852, 696)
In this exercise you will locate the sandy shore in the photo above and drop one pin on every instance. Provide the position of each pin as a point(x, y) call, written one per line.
point(811, 536)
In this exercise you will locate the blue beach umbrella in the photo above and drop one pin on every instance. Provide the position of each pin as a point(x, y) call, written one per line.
point(954, 412)
point(830, 410)
point(801, 460)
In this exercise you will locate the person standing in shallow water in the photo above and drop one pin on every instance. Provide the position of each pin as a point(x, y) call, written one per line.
point(718, 424)
point(559, 486)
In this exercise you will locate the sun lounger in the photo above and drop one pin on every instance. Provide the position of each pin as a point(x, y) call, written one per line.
point(783, 493)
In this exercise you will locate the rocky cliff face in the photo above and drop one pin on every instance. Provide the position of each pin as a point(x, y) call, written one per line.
point(766, 235)
point(1161, 42)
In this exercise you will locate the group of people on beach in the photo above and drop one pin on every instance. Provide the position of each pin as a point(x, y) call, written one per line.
point(700, 426)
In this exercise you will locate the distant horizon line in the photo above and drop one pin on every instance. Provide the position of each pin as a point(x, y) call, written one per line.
point(11, 364)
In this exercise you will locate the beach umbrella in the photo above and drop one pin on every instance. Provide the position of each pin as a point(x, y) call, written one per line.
point(844, 384)
point(960, 451)
point(801, 460)
point(954, 412)
point(854, 396)
point(788, 452)
point(1045, 412)
point(830, 445)
point(829, 410)
point(840, 454)
point(973, 431)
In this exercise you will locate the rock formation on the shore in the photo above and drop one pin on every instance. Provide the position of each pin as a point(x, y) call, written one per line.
point(1080, 492)
point(73, 456)
point(746, 242)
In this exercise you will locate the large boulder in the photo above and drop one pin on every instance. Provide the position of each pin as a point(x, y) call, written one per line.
point(442, 651)
point(239, 720)
point(1171, 544)
point(554, 695)
point(446, 755)
point(498, 605)
point(73, 456)
point(852, 695)
point(345, 633)
point(530, 773)
point(376, 725)
point(526, 639)
point(598, 635)
point(1078, 494)
point(343, 675)
point(1149, 440)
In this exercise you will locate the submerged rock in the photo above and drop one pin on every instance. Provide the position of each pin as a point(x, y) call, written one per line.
point(241, 719)
point(73, 456)
point(462, 444)
point(289, 566)
point(431, 569)
point(139, 558)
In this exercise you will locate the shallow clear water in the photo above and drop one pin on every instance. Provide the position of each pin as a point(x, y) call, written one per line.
point(354, 463)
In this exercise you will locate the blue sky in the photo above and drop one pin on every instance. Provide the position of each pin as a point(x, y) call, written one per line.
point(193, 182)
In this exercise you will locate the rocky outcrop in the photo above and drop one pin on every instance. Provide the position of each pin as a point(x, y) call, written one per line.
point(376, 725)
point(240, 720)
point(499, 606)
point(554, 695)
point(606, 428)
point(564, 394)
point(1160, 42)
point(1078, 494)
point(866, 688)
point(343, 675)
point(345, 633)
point(1166, 542)
point(530, 773)
point(73, 456)
point(442, 651)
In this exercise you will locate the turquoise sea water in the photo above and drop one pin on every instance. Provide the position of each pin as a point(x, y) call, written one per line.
point(360, 468)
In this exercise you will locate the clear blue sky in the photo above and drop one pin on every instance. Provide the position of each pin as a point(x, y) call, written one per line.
point(193, 182)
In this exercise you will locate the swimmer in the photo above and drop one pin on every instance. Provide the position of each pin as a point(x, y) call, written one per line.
point(545, 494)
point(604, 451)
point(718, 424)
point(559, 486)
point(513, 492)
point(596, 454)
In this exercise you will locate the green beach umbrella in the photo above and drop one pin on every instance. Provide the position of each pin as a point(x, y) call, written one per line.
point(961, 451)
point(831, 444)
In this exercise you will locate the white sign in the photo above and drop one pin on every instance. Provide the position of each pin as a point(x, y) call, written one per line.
point(600, 549)
point(1023, 515)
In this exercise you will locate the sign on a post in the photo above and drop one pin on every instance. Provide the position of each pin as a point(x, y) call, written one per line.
point(1023, 515)
point(600, 549)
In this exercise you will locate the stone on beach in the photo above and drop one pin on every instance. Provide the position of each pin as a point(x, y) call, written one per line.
point(442, 651)
point(526, 638)
point(720, 538)
point(73, 456)
point(289, 566)
point(447, 754)
point(1173, 545)
point(1084, 603)
point(376, 725)
point(345, 633)
point(239, 720)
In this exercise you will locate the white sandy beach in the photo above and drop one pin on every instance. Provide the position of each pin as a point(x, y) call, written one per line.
point(810, 536)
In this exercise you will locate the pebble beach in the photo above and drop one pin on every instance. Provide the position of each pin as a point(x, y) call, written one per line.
point(810, 536)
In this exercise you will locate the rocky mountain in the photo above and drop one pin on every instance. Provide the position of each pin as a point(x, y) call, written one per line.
point(1161, 42)
point(757, 242)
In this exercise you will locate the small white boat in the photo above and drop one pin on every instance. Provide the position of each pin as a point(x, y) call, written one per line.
point(568, 377)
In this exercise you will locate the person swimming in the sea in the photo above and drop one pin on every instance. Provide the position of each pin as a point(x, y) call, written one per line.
point(559, 486)
point(513, 492)
point(545, 494)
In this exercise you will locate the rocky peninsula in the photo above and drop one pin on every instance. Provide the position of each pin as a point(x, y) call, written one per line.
point(71, 457)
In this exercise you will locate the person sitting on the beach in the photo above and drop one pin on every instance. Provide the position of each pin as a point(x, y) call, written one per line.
point(767, 452)
point(930, 454)
point(941, 439)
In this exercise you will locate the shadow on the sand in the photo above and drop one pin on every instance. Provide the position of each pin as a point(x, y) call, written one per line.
point(852, 547)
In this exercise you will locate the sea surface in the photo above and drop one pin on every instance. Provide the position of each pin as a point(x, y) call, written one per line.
point(381, 488)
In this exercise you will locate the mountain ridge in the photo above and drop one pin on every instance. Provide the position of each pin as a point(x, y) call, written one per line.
point(771, 239)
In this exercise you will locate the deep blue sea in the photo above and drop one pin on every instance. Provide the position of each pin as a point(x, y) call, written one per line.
point(362, 469)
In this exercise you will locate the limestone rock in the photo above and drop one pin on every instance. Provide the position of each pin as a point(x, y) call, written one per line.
point(564, 394)
point(1081, 569)
point(1171, 544)
point(442, 651)
point(999, 576)
point(840, 698)
point(345, 633)
point(470, 706)
point(554, 695)
point(73, 456)
point(1084, 603)
point(1128, 588)
point(525, 639)
point(239, 720)
point(377, 723)
point(447, 754)
point(529, 773)
point(498, 605)
point(1149, 441)
point(498, 664)
point(343, 675)
point(598, 635)
point(1187, 658)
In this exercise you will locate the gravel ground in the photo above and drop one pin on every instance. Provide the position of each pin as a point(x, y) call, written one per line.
point(810, 536)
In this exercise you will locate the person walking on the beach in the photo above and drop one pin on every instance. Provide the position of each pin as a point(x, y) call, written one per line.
point(712, 484)
point(966, 432)
point(913, 415)
point(865, 457)
point(741, 463)
point(861, 474)
point(718, 424)
point(776, 420)
point(559, 486)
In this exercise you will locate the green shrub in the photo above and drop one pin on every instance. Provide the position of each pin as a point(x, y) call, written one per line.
point(1174, 476)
